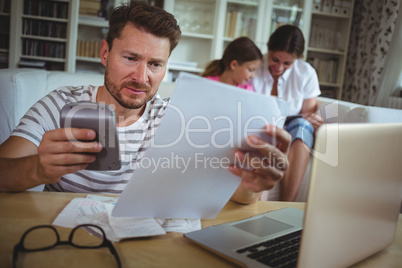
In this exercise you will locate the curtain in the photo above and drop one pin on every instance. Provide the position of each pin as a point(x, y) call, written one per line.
point(391, 82)
point(373, 26)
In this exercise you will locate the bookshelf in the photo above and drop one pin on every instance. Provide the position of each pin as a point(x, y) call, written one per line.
point(57, 34)
point(74, 33)
point(39, 34)
point(91, 28)
point(4, 32)
point(259, 19)
point(328, 43)
point(209, 25)
point(197, 20)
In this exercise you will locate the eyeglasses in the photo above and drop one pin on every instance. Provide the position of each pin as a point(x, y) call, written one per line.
point(44, 237)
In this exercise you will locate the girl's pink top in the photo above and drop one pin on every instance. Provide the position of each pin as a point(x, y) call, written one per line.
point(244, 86)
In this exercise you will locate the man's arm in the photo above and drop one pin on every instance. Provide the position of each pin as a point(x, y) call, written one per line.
point(23, 165)
point(267, 165)
point(12, 149)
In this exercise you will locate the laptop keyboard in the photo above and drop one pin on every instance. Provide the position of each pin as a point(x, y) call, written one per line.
point(280, 252)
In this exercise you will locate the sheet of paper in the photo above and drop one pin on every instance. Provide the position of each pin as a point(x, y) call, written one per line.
point(179, 225)
point(104, 199)
point(117, 229)
point(184, 173)
point(77, 207)
point(97, 210)
point(100, 219)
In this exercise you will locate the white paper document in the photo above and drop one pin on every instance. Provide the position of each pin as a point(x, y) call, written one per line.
point(97, 210)
point(78, 207)
point(184, 172)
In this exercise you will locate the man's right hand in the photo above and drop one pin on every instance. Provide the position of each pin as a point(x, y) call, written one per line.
point(58, 154)
point(23, 165)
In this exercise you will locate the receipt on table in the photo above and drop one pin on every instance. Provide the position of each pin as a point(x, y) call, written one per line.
point(97, 210)
point(77, 207)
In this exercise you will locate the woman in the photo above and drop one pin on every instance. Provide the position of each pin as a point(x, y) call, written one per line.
point(284, 74)
point(237, 67)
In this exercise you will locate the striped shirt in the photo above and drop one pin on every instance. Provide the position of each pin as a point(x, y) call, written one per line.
point(44, 116)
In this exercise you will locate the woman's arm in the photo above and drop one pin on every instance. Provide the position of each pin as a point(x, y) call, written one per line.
point(310, 107)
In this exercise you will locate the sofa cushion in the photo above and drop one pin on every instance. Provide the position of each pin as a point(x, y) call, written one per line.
point(368, 114)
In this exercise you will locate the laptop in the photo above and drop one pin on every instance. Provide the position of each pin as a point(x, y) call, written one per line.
point(351, 213)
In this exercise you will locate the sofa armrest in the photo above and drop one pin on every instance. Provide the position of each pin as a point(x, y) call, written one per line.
point(334, 111)
point(369, 114)
point(21, 88)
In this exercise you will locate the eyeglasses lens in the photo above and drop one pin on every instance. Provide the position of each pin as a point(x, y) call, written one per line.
point(40, 238)
point(83, 237)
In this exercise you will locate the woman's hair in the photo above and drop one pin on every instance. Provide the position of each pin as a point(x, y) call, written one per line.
point(241, 49)
point(287, 38)
point(148, 18)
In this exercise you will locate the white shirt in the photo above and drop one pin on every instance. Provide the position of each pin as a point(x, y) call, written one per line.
point(296, 84)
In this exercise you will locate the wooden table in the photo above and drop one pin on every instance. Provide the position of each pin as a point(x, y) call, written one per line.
point(20, 211)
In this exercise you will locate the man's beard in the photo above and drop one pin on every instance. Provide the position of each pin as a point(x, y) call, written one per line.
point(115, 91)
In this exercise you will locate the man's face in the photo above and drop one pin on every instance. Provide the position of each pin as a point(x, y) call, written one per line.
point(135, 66)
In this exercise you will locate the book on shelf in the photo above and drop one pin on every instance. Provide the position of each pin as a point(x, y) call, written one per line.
point(95, 8)
point(44, 28)
point(313, 35)
point(90, 4)
point(327, 69)
point(3, 58)
point(233, 19)
point(88, 48)
point(4, 25)
point(89, 12)
point(32, 64)
point(44, 8)
point(43, 48)
point(227, 23)
point(239, 24)
point(325, 38)
point(5, 6)
point(4, 41)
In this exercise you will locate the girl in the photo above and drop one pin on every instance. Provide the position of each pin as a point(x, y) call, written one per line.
point(237, 67)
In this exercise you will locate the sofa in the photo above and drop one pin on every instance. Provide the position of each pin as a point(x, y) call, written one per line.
point(21, 88)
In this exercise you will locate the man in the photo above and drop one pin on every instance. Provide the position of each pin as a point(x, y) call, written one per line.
point(135, 54)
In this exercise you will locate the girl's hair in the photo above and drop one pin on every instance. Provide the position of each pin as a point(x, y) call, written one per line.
point(241, 49)
point(146, 17)
point(287, 38)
